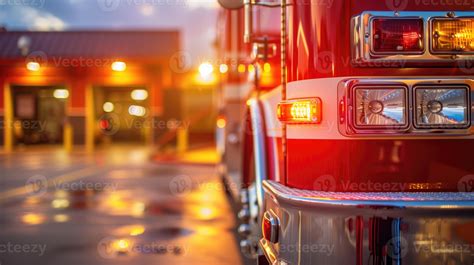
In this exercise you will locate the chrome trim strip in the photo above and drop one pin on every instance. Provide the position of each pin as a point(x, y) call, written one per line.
point(363, 56)
point(444, 202)
point(269, 251)
point(258, 134)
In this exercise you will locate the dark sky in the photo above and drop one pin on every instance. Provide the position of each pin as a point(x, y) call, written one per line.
point(195, 18)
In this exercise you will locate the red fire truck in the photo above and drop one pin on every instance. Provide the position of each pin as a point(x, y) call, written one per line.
point(363, 153)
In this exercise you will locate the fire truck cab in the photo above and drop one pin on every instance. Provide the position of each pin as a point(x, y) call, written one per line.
point(362, 153)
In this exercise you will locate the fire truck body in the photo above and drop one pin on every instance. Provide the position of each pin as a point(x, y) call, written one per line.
point(363, 154)
point(235, 89)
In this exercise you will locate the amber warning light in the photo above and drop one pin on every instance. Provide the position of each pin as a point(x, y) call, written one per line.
point(453, 35)
point(300, 111)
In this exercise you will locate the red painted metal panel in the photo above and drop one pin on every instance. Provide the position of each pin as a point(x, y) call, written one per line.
point(319, 38)
point(381, 165)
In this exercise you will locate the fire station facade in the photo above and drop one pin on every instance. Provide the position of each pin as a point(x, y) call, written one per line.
point(84, 87)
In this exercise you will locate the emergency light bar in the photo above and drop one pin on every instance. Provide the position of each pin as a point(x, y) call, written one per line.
point(412, 37)
point(300, 111)
point(453, 35)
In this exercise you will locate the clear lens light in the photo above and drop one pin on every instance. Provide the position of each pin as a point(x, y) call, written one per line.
point(441, 107)
point(380, 107)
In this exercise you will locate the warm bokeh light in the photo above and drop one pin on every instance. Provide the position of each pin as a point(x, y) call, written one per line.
point(139, 94)
point(267, 67)
point(60, 203)
point(119, 66)
point(61, 93)
point(137, 111)
point(206, 69)
point(61, 218)
point(33, 219)
point(108, 107)
point(241, 68)
point(223, 68)
point(33, 66)
point(221, 123)
point(137, 230)
point(251, 68)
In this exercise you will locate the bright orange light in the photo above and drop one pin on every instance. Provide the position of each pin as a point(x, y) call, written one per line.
point(119, 66)
point(456, 35)
point(251, 68)
point(33, 219)
point(223, 68)
point(221, 123)
point(241, 68)
point(300, 111)
point(267, 67)
point(33, 66)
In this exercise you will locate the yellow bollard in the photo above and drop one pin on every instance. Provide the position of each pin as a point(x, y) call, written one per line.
point(68, 137)
point(182, 140)
point(8, 119)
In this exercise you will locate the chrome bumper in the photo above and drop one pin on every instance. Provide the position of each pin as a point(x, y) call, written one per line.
point(370, 228)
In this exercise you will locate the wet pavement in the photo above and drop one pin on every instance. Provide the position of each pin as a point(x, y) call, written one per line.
point(113, 207)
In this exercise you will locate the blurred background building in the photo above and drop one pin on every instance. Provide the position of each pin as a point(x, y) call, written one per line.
point(94, 88)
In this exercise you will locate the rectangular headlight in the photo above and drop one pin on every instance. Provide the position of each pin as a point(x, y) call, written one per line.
point(442, 107)
point(453, 35)
point(380, 107)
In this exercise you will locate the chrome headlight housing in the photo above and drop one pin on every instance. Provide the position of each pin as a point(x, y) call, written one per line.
point(442, 107)
point(382, 107)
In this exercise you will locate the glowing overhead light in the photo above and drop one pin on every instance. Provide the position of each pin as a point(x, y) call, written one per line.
point(223, 68)
point(138, 111)
point(206, 69)
point(139, 94)
point(119, 66)
point(61, 93)
point(108, 107)
point(33, 66)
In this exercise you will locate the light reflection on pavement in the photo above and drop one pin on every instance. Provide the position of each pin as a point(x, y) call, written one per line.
point(114, 207)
